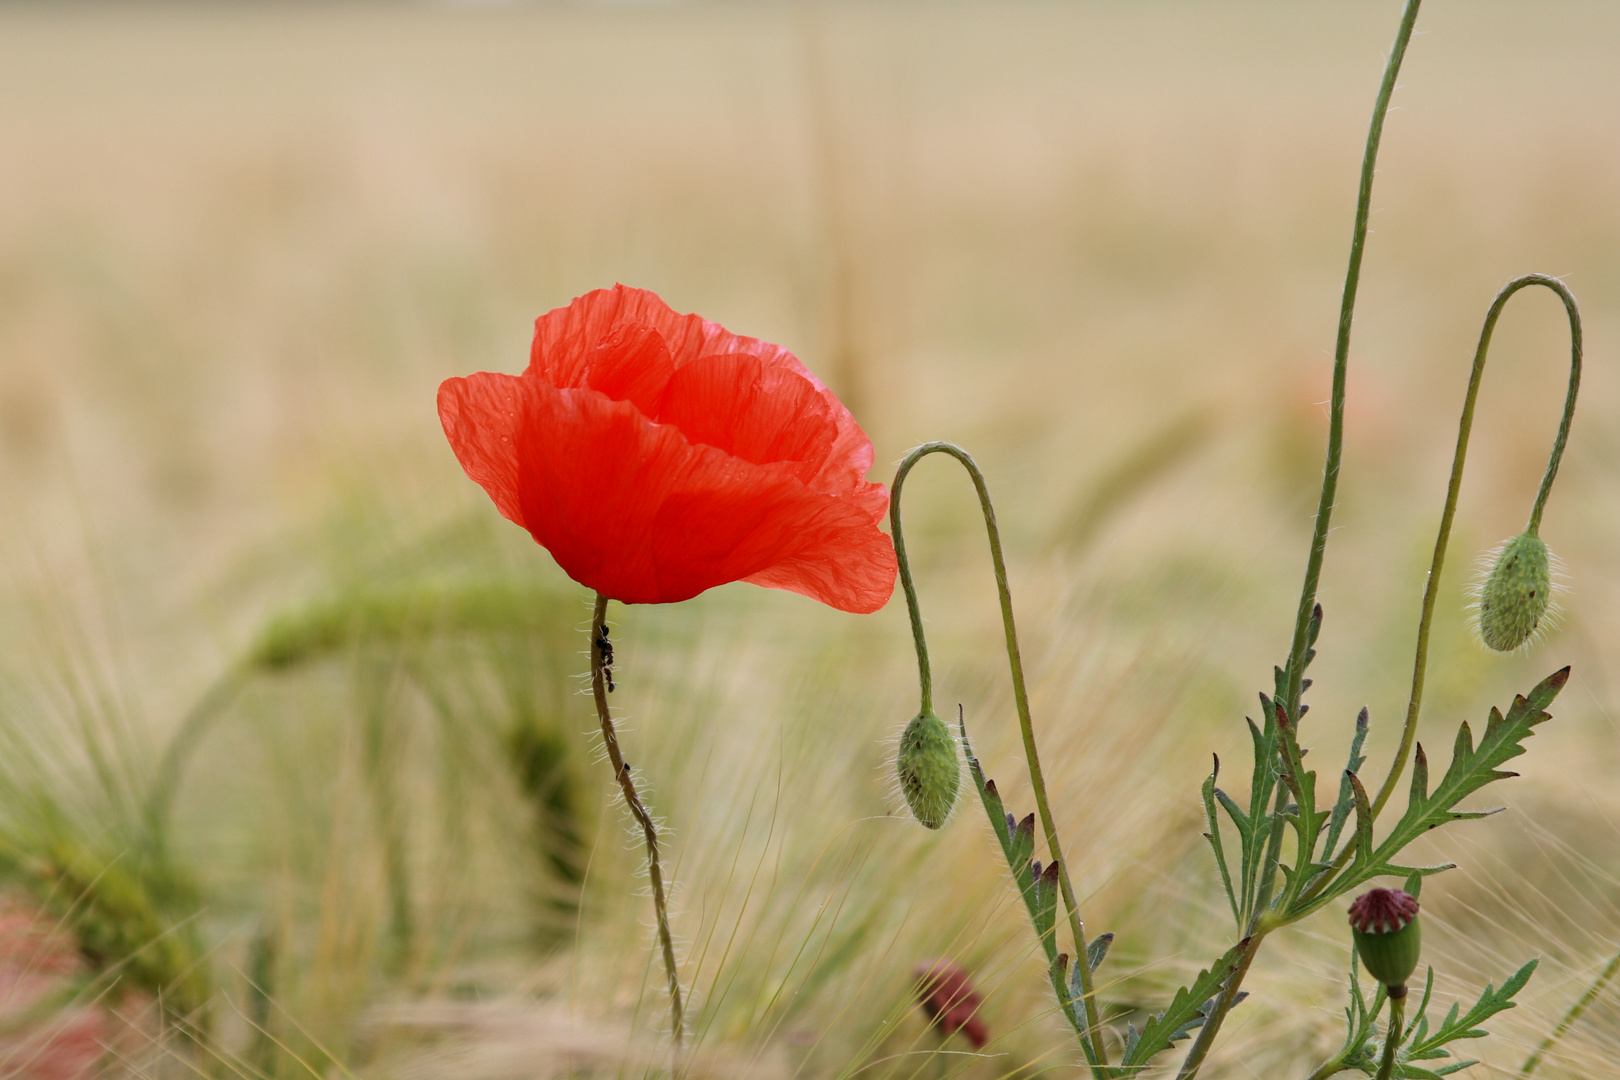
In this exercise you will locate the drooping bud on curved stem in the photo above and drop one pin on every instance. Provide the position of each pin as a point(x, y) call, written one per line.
point(1513, 598)
point(1092, 1026)
point(928, 768)
point(1513, 605)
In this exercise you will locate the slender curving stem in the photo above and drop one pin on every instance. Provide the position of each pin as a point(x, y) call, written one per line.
point(1465, 427)
point(1324, 507)
point(600, 654)
point(1442, 540)
point(1020, 698)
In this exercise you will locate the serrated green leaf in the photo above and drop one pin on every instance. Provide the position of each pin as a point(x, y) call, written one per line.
point(1214, 838)
point(1346, 800)
point(1472, 767)
point(1186, 1006)
point(1235, 812)
point(1364, 820)
point(1426, 1045)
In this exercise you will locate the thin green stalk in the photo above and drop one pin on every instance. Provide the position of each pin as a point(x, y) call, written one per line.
point(1465, 427)
point(1020, 699)
point(601, 653)
point(1431, 588)
point(1330, 485)
point(1574, 1014)
point(1341, 357)
point(1392, 1033)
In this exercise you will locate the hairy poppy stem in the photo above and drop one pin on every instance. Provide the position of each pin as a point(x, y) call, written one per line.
point(1392, 1034)
point(1324, 516)
point(601, 658)
point(1093, 1034)
point(1431, 588)
point(1465, 427)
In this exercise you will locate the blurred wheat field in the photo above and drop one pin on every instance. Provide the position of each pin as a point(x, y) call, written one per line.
point(1100, 245)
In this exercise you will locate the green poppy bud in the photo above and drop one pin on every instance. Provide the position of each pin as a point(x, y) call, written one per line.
point(1515, 595)
point(928, 769)
point(1384, 923)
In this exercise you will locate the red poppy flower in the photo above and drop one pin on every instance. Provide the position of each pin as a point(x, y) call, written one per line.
point(656, 455)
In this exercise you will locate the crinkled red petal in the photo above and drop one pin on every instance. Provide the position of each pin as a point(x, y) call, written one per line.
point(639, 512)
point(571, 343)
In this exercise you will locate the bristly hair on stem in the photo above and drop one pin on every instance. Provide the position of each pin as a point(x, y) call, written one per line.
point(1465, 426)
point(1431, 587)
point(601, 658)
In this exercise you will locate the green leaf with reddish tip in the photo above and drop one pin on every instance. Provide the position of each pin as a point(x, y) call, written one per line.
point(1214, 838)
point(1472, 768)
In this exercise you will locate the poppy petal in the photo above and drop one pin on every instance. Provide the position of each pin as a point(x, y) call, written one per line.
point(656, 455)
point(481, 415)
point(762, 414)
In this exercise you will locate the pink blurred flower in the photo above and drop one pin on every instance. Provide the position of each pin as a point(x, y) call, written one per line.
point(44, 1033)
point(948, 997)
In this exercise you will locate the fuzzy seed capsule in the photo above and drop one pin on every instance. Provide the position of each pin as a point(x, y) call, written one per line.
point(928, 769)
point(1389, 940)
point(1516, 593)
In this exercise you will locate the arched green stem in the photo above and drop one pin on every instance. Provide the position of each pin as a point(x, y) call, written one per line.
point(1324, 515)
point(1465, 427)
point(649, 828)
point(1020, 699)
point(1431, 588)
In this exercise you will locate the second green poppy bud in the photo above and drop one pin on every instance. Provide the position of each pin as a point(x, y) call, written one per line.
point(1515, 595)
point(1389, 940)
point(928, 769)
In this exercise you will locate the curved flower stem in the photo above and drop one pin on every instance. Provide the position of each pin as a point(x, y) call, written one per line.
point(1392, 1035)
point(601, 654)
point(1324, 515)
point(1574, 1014)
point(1431, 588)
point(1464, 427)
point(1020, 699)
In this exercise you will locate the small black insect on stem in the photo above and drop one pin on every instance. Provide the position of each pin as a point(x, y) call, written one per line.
point(604, 649)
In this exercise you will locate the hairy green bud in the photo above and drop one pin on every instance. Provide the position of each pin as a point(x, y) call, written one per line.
point(928, 769)
point(1514, 598)
point(1389, 940)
